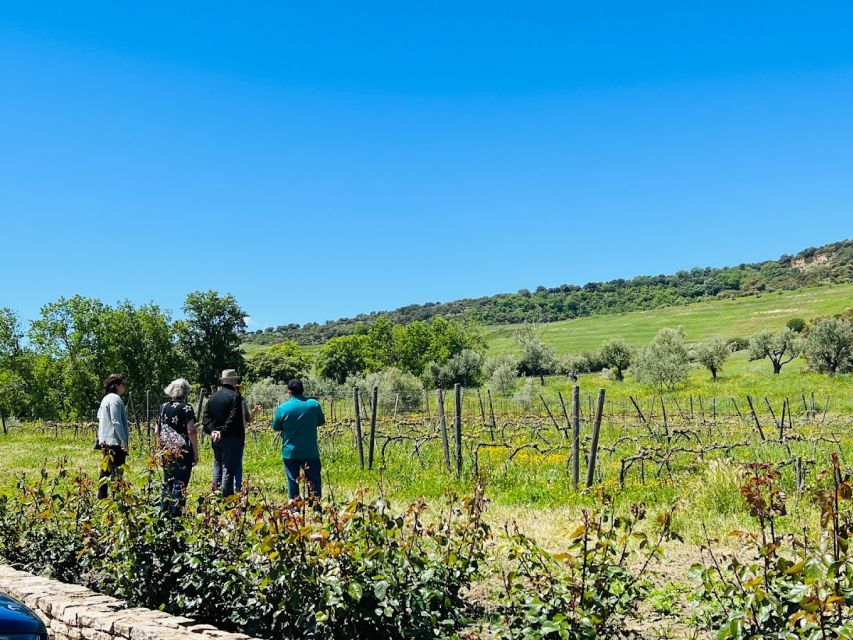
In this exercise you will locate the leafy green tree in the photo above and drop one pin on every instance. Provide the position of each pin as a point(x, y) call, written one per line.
point(712, 354)
point(616, 354)
point(379, 345)
point(15, 366)
point(281, 363)
point(780, 348)
point(342, 357)
point(142, 344)
point(451, 337)
point(210, 335)
point(537, 358)
point(829, 346)
point(665, 361)
point(73, 335)
point(412, 346)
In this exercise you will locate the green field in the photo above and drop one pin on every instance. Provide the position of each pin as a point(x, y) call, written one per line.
point(738, 317)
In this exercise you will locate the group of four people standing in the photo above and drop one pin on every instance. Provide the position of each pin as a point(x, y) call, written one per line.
point(224, 419)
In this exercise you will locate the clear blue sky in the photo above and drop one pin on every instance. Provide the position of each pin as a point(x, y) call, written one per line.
point(321, 159)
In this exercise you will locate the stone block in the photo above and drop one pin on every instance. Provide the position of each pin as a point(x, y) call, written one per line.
point(89, 615)
point(159, 632)
point(71, 615)
point(93, 634)
point(106, 622)
point(57, 626)
point(201, 628)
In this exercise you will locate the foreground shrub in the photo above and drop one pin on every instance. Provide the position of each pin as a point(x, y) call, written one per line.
point(589, 591)
point(248, 564)
point(794, 586)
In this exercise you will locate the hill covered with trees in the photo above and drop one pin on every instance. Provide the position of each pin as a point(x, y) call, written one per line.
point(829, 264)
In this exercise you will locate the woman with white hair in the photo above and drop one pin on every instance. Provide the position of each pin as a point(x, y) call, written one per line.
point(176, 434)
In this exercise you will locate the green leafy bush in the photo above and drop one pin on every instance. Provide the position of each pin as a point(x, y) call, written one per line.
point(247, 564)
point(794, 586)
point(588, 591)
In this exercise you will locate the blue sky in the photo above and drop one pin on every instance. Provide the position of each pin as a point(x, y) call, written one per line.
point(324, 159)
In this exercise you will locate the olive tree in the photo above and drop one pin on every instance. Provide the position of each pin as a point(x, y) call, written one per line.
point(537, 358)
point(829, 346)
point(665, 361)
point(616, 354)
point(712, 354)
point(780, 348)
point(464, 368)
point(501, 373)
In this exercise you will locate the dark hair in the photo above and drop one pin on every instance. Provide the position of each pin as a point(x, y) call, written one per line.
point(112, 382)
point(295, 387)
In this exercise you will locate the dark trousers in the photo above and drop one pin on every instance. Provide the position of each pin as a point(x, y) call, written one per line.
point(228, 465)
point(114, 459)
point(293, 467)
point(176, 479)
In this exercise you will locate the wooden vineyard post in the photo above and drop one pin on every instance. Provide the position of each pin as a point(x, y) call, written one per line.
point(426, 397)
point(373, 408)
point(3, 420)
point(772, 413)
point(359, 438)
point(442, 425)
point(550, 415)
point(565, 415)
point(457, 392)
point(734, 404)
point(482, 408)
point(637, 407)
point(493, 425)
point(576, 435)
point(593, 448)
point(755, 417)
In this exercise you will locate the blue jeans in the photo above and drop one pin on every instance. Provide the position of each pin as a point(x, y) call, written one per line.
point(311, 468)
point(228, 465)
point(176, 479)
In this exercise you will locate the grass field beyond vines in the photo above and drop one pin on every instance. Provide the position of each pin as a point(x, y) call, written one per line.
point(738, 317)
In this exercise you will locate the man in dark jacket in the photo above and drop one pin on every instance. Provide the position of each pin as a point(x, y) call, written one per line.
point(224, 421)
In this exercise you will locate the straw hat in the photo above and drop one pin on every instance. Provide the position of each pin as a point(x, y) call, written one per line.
point(229, 376)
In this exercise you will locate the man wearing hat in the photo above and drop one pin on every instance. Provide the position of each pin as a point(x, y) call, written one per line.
point(225, 423)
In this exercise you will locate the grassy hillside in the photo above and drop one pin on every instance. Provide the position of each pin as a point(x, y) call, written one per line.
point(728, 318)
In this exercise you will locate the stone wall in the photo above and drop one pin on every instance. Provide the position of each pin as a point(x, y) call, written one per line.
point(72, 612)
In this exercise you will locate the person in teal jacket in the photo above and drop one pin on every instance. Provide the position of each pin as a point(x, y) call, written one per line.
point(297, 420)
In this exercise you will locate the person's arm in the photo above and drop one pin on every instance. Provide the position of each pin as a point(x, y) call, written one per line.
point(207, 420)
point(118, 415)
point(193, 439)
point(278, 420)
point(321, 419)
point(247, 416)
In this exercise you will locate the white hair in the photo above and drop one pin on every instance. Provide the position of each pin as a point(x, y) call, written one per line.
point(178, 389)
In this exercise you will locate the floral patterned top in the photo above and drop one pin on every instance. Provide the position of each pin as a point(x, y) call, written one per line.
point(176, 416)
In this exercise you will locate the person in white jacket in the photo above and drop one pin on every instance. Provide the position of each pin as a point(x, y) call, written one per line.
point(113, 431)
